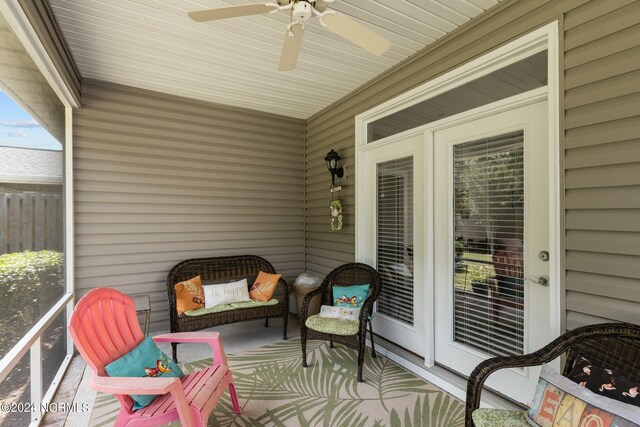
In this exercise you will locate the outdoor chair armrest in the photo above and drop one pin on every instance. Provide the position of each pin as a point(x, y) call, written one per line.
point(208, 337)
point(135, 385)
point(480, 374)
point(546, 354)
point(202, 336)
point(307, 300)
point(284, 284)
point(145, 385)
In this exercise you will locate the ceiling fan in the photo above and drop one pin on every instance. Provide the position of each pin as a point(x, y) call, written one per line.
point(301, 11)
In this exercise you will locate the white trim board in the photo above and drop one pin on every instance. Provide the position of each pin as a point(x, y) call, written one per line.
point(425, 374)
point(31, 341)
point(538, 40)
point(490, 399)
point(19, 23)
point(527, 45)
point(30, 179)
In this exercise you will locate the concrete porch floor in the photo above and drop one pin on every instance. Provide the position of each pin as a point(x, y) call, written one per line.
point(236, 338)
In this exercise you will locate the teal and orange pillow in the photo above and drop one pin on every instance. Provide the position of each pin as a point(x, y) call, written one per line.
point(145, 360)
point(350, 296)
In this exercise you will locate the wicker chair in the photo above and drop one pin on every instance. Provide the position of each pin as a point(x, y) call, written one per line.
point(614, 345)
point(347, 274)
point(223, 270)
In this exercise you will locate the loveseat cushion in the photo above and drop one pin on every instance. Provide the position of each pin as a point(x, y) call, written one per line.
point(202, 311)
point(332, 326)
point(252, 304)
point(485, 417)
point(227, 307)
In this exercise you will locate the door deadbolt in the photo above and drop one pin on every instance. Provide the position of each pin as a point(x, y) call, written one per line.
point(544, 255)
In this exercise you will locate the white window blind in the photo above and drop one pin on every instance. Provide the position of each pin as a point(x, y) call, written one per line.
point(488, 280)
point(395, 238)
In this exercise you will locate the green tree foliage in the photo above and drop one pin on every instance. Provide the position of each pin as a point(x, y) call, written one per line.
point(29, 283)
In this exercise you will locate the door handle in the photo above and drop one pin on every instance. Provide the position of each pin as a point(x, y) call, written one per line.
point(542, 280)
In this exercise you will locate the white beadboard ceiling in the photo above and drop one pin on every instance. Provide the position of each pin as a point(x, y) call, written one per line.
point(152, 44)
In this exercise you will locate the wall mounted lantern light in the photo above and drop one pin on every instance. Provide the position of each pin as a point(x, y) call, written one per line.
point(332, 160)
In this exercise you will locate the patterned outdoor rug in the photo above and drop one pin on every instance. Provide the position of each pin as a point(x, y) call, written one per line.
point(274, 390)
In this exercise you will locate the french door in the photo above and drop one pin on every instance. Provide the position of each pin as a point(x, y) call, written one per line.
point(392, 237)
point(491, 237)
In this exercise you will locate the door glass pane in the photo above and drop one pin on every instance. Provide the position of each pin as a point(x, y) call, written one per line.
point(488, 280)
point(395, 238)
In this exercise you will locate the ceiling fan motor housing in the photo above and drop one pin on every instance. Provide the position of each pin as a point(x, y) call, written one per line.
point(302, 11)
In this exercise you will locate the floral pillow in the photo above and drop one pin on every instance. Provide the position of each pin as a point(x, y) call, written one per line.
point(264, 286)
point(350, 296)
point(605, 382)
point(189, 295)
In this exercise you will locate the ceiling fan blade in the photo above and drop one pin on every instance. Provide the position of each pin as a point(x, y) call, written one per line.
point(291, 47)
point(355, 33)
point(231, 12)
point(321, 5)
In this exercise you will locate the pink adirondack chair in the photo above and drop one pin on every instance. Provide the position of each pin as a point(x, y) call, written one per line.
point(104, 327)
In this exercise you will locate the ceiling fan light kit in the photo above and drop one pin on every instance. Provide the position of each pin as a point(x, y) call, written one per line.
point(302, 11)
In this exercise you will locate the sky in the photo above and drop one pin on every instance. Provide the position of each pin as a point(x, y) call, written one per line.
point(19, 129)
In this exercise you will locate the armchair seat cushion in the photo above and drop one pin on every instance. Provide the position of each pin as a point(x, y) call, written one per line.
point(485, 417)
point(332, 326)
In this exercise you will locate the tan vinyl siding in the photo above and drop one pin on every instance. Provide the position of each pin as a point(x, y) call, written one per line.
point(159, 179)
point(44, 22)
point(602, 69)
point(600, 145)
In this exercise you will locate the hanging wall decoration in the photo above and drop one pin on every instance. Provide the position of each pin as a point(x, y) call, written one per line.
point(336, 215)
point(332, 160)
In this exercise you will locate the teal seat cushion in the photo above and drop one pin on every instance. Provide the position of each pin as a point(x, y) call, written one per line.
point(332, 326)
point(484, 417)
point(145, 360)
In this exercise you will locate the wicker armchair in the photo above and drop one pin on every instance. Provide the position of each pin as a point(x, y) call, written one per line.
point(347, 274)
point(222, 270)
point(614, 345)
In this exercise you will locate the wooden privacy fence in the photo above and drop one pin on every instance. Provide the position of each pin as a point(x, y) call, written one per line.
point(30, 221)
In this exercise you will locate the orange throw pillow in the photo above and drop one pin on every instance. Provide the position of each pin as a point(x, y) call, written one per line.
point(264, 286)
point(189, 295)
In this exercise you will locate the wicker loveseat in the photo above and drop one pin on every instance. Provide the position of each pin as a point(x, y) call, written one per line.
point(614, 345)
point(223, 270)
